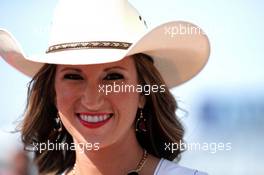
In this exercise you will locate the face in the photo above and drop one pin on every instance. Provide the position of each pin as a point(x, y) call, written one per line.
point(89, 114)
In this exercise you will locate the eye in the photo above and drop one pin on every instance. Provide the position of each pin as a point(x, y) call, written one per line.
point(114, 76)
point(73, 77)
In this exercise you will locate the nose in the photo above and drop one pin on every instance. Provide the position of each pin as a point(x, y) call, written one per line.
point(92, 99)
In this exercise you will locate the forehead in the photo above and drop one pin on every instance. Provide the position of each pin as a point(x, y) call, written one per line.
point(126, 63)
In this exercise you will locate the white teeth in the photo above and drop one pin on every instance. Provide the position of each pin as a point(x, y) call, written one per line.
point(94, 119)
point(89, 118)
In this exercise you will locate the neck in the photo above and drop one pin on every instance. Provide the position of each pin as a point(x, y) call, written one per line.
point(118, 158)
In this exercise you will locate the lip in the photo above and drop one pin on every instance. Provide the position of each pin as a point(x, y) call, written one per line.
point(93, 125)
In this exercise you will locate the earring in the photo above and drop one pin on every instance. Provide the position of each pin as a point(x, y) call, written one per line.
point(141, 123)
point(58, 124)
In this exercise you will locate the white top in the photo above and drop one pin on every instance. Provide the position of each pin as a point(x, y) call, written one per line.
point(166, 167)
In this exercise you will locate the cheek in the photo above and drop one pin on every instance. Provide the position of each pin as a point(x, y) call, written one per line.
point(126, 104)
point(65, 97)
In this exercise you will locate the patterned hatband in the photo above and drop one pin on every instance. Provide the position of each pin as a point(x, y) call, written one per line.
point(89, 45)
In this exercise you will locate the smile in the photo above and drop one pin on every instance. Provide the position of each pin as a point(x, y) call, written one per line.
point(94, 120)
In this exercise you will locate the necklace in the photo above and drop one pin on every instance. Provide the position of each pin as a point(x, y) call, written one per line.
point(140, 164)
point(131, 172)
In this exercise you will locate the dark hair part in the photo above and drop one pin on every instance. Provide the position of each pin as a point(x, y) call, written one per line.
point(40, 112)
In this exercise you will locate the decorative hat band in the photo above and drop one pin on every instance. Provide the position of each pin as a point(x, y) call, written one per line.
point(89, 45)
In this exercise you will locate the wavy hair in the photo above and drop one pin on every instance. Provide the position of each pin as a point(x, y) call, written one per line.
point(38, 124)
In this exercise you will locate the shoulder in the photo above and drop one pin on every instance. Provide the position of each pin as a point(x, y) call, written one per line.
point(166, 167)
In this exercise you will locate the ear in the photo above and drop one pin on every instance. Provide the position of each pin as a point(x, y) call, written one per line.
point(142, 101)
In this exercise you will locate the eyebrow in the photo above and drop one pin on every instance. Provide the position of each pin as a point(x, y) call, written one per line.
point(79, 70)
point(114, 67)
point(70, 68)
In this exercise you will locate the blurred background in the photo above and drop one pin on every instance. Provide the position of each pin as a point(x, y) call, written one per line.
point(223, 107)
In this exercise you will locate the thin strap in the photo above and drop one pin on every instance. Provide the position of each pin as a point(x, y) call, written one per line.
point(158, 167)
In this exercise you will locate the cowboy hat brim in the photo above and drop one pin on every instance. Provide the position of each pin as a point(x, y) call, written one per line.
point(177, 56)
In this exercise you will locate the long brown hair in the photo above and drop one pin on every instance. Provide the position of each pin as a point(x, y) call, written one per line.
point(162, 124)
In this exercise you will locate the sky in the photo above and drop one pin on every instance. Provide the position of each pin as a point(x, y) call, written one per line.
point(235, 68)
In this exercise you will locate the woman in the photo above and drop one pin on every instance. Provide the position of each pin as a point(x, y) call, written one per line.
point(99, 100)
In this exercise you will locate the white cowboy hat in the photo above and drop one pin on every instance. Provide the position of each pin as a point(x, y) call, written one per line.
point(102, 31)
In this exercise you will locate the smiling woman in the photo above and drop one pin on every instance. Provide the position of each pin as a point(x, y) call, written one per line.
point(75, 128)
point(91, 117)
